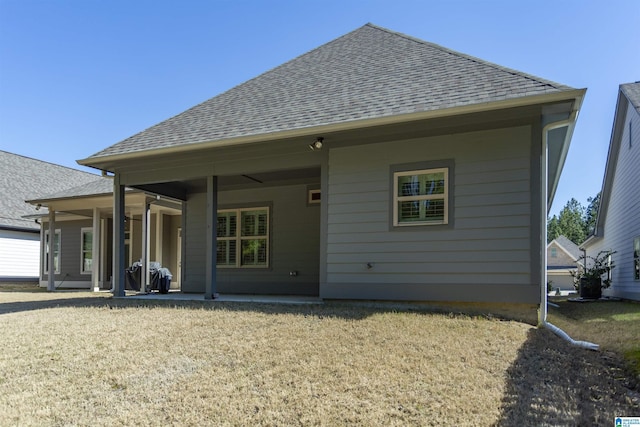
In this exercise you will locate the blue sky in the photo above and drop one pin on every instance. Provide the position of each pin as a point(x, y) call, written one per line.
point(79, 75)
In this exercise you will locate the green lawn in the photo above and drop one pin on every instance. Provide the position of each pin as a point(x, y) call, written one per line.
point(614, 325)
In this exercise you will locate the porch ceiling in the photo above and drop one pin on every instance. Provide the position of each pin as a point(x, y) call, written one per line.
point(233, 182)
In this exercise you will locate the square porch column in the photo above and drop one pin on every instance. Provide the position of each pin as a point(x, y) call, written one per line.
point(51, 276)
point(212, 237)
point(146, 244)
point(96, 254)
point(118, 237)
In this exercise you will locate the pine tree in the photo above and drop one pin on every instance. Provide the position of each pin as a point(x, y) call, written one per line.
point(592, 214)
point(569, 223)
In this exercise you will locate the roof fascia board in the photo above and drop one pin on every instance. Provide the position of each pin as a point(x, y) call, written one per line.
point(590, 240)
point(20, 229)
point(612, 161)
point(576, 94)
point(45, 202)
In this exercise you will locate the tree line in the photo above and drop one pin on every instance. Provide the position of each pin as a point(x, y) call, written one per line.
point(574, 221)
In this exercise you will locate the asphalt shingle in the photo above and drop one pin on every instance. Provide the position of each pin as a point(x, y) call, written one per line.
point(23, 178)
point(367, 74)
point(569, 246)
point(632, 92)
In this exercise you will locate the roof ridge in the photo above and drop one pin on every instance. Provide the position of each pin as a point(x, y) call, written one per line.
point(472, 58)
point(47, 162)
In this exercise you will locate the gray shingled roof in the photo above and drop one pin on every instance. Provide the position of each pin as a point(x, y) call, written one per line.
point(100, 186)
point(632, 92)
point(569, 246)
point(23, 178)
point(369, 73)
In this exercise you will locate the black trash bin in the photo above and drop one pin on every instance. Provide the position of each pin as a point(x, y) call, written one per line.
point(132, 277)
point(153, 275)
point(164, 280)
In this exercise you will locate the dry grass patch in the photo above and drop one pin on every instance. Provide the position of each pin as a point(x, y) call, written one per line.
point(107, 362)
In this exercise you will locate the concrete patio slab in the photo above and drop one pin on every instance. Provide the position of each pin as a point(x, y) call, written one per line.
point(270, 299)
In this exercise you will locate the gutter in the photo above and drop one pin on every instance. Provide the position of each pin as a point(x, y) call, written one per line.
point(544, 208)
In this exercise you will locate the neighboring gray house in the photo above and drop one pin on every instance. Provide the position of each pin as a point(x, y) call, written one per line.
point(375, 167)
point(618, 223)
point(22, 178)
point(83, 225)
point(563, 256)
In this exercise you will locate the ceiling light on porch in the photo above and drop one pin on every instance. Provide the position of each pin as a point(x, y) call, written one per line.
point(317, 145)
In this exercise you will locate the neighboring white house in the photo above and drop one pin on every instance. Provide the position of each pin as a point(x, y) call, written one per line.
point(562, 257)
point(618, 222)
point(22, 178)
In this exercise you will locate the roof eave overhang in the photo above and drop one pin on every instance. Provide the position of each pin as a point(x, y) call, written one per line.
point(590, 241)
point(579, 98)
point(46, 201)
point(20, 229)
point(105, 162)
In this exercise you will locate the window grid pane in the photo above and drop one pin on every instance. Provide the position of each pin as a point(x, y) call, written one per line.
point(243, 238)
point(421, 184)
point(87, 248)
point(226, 252)
point(56, 252)
point(421, 211)
point(421, 197)
point(227, 222)
point(254, 252)
point(254, 223)
point(87, 261)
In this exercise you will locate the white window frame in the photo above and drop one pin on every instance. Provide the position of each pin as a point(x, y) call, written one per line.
point(84, 231)
point(58, 233)
point(314, 197)
point(238, 238)
point(443, 196)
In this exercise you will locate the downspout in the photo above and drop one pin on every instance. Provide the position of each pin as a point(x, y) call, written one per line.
point(544, 208)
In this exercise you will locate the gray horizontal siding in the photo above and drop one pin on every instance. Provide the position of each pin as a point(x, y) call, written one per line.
point(195, 243)
point(70, 254)
point(294, 243)
point(489, 243)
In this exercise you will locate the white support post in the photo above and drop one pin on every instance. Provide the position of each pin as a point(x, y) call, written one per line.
point(95, 251)
point(51, 278)
point(146, 220)
point(159, 235)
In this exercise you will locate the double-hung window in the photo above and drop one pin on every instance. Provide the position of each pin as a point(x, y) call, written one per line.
point(243, 238)
point(420, 197)
point(86, 250)
point(56, 252)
